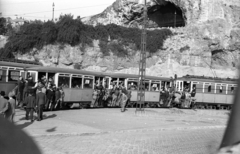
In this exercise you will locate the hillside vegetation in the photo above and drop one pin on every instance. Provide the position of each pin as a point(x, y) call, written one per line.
point(67, 30)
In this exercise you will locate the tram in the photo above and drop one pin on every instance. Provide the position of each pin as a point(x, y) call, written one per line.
point(78, 85)
point(211, 93)
point(10, 72)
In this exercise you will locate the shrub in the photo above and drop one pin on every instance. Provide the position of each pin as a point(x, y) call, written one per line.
point(72, 31)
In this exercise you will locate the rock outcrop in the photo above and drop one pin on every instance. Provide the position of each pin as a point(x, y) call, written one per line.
point(206, 40)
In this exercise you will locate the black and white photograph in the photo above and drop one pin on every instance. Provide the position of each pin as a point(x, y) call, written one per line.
point(119, 77)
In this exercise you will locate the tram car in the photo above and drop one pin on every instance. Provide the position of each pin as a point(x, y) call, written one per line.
point(211, 93)
point(78, 85)
point(10, 72)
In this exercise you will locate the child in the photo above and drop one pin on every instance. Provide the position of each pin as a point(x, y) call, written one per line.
point(30, 104)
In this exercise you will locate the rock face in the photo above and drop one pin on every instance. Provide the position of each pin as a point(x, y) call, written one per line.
point(206, 40)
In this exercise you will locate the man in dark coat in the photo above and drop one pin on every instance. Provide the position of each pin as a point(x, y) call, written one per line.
point(31, 85)
point(25, 90)
point(30, 106)
point(50, 95)
point(3, 104)
point(40, 102)
point(57, 97)
point(20, 90)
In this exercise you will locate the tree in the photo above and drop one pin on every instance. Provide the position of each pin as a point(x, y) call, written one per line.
point(69, 30)
point(3, 26)
point(49, 32)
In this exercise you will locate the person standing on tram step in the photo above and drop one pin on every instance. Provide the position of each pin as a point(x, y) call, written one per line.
point(53, 98)
point(11, 107)
point(49, 95)
point(25, 89)
point(40, 102)
point(113, 94)
point(3, 104)
point(101, 94)
point(31, 86)
point(61, 97)
point(57, 97)
point(94, 98)
point(30, 106)
point(20, 90)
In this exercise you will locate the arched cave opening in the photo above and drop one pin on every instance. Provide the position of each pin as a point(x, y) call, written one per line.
point(166, 15)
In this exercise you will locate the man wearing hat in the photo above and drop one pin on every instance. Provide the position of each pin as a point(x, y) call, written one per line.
point(3, 104)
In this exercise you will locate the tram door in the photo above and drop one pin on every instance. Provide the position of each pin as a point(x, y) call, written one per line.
point(106, 83)
point(114, 80)
point(99, 80)
point(33, 74)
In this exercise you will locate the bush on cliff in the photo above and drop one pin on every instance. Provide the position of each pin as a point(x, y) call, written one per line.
point(71, 31)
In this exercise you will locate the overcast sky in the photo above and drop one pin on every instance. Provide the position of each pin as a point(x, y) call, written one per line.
point(42, 9)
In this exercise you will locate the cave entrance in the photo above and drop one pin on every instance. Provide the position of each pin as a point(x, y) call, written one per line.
point(164, 15)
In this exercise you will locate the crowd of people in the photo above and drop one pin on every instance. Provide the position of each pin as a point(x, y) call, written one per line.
point(118, 95)
point(182, 98)
point(33, 97)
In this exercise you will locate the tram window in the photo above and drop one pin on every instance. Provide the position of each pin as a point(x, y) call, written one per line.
point(106, 83)
point(88, 83)
point(76, 82)
point(32, 74)
point(132, 85)
point(209, 88)
point(13, 75)
point(146, 85)
point(3, 74)
point(63, 81)
point(155, 87)
point(220, 89)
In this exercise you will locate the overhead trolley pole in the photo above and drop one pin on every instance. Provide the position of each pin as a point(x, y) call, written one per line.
point(142, 66)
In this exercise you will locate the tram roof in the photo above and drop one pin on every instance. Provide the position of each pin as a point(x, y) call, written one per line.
point(123, 75)
point(64, 70)
point(14, 64)
point(208, 79)
point(84, 72)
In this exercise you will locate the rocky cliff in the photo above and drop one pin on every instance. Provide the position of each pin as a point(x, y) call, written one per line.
point(206, 39)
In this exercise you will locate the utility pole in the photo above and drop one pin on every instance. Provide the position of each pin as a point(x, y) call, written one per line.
point(175, 19)
point(142, 66)
point(53, 12)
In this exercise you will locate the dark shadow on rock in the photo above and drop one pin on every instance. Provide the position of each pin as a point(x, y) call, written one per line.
point(50, 116)
point(26, 124)
point(51, 129)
